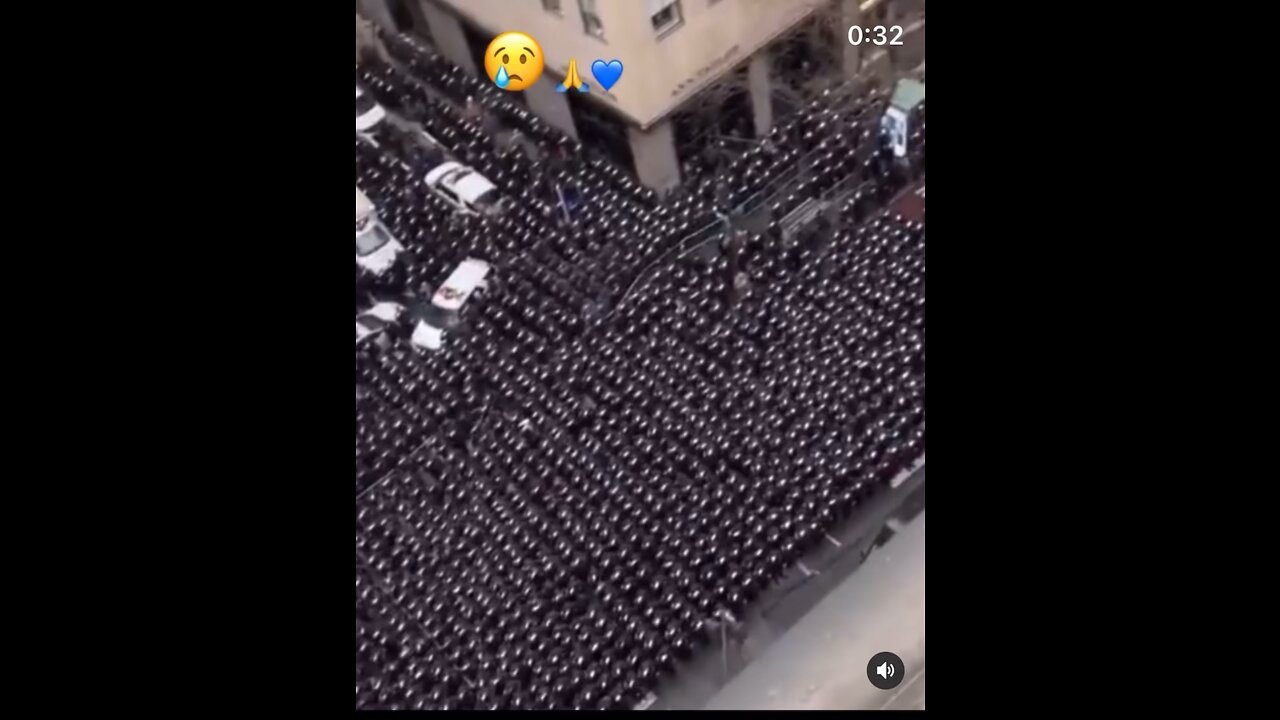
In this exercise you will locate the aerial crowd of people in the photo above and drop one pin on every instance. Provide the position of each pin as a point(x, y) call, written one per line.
point(658, 404)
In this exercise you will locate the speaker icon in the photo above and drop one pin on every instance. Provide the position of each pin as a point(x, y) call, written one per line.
point(885, 670)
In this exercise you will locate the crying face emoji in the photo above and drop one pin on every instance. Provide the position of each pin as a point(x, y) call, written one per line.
point(513, 61)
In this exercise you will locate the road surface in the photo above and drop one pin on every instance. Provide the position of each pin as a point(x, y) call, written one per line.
point(820, 663)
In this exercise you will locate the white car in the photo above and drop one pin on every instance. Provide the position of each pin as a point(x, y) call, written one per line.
point(464, 189)
point(446, 305)
point(376, 320)
point(368, 112)
point(376, 248)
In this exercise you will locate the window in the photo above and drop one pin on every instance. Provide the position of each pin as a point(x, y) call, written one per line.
point(487, 201)
point(551, 6)
point(373, 324)
point(364, 103)
point(590, 20)
point(370, 242)
point(401, 16)
point(664, 14)
point(436, 317)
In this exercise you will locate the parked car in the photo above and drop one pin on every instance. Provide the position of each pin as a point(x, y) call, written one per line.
point(376, 247)
point(464, 188)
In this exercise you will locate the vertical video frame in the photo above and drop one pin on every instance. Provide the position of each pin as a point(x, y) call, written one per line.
point(640, 354)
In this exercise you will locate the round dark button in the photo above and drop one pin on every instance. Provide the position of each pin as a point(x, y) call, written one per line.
point(885, 670)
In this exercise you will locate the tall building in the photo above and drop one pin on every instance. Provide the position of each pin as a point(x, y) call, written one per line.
point(678, 56)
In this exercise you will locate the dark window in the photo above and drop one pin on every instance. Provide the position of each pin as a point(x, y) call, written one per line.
point(400, 15)
point(364, 103)
point(664, 14)
point(591, 22)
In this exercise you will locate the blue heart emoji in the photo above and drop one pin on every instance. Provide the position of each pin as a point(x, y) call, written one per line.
point(607, 73)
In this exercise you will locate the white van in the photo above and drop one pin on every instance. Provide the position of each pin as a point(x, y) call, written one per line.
point(376, 249)
point(377, 322)
point(368, 112)
point(464, 189)
point(442, 314)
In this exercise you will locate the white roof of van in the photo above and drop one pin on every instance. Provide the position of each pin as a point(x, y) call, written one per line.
point(461, 283)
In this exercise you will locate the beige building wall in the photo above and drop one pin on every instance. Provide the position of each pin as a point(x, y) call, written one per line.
point(660, 71)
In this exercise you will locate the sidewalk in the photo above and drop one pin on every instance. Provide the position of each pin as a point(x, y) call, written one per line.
point(820, 663)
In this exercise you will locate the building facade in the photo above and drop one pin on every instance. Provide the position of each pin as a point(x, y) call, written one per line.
point(671, 51)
